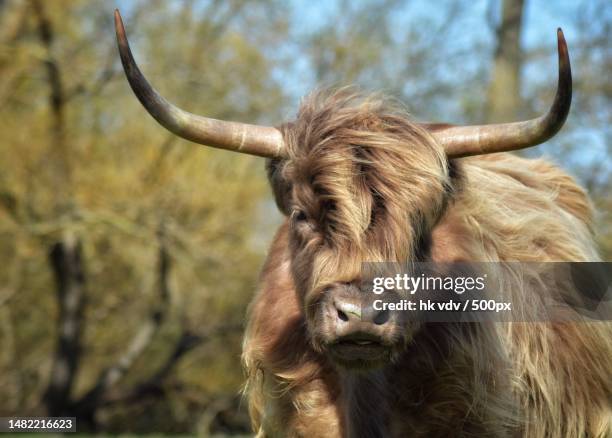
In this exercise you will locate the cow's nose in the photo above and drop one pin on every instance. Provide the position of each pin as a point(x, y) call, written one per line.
point(350, 311)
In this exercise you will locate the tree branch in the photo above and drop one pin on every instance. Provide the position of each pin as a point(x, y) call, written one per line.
point(143, 337)
point(153, 386)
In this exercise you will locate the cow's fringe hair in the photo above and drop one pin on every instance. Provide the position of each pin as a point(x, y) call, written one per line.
point(495, 379)
point(365, 173)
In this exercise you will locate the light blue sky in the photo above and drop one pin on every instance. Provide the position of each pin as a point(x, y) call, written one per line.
point(541, 19)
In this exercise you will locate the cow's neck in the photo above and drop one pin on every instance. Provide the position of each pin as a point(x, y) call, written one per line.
point(366, 396)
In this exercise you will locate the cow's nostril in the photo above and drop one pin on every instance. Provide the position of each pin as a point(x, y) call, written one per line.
point(347, 310)
point(382, 317)
point(342, 316)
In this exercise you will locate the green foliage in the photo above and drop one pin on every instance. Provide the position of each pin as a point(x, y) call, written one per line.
point(114, 180)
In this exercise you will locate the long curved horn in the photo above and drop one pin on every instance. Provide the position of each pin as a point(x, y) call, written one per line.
point(263, 141)
point(463, 141)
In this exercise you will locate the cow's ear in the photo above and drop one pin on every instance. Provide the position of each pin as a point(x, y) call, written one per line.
point(280, 186)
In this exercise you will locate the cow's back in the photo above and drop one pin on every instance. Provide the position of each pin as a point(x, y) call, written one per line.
point(516, 209)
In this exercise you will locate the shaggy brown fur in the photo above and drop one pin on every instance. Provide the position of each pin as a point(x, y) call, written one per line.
point(363, 183)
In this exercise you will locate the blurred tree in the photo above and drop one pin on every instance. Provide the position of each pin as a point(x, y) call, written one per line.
point(65, 254)
point(165, 227)
point(504, 94)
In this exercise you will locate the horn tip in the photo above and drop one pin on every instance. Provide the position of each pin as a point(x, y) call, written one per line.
point(118, 20)
point(562, 49)
point(120, 29)
point(561, 41)
point(560, 36)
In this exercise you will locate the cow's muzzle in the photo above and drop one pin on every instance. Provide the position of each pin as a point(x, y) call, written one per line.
point(358, 334)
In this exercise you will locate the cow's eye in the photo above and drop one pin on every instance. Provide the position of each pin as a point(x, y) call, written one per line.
point(299, 215)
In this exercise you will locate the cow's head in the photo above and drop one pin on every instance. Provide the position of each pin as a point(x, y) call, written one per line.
point(359, 182)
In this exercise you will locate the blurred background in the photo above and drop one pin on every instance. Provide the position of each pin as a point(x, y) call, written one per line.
point(128, 256)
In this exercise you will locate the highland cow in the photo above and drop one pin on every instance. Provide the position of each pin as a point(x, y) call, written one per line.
point(358, 181)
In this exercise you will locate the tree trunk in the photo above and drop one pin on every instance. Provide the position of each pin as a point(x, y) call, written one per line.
point(66, 261)
point(504, 100)
point(65, 255)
